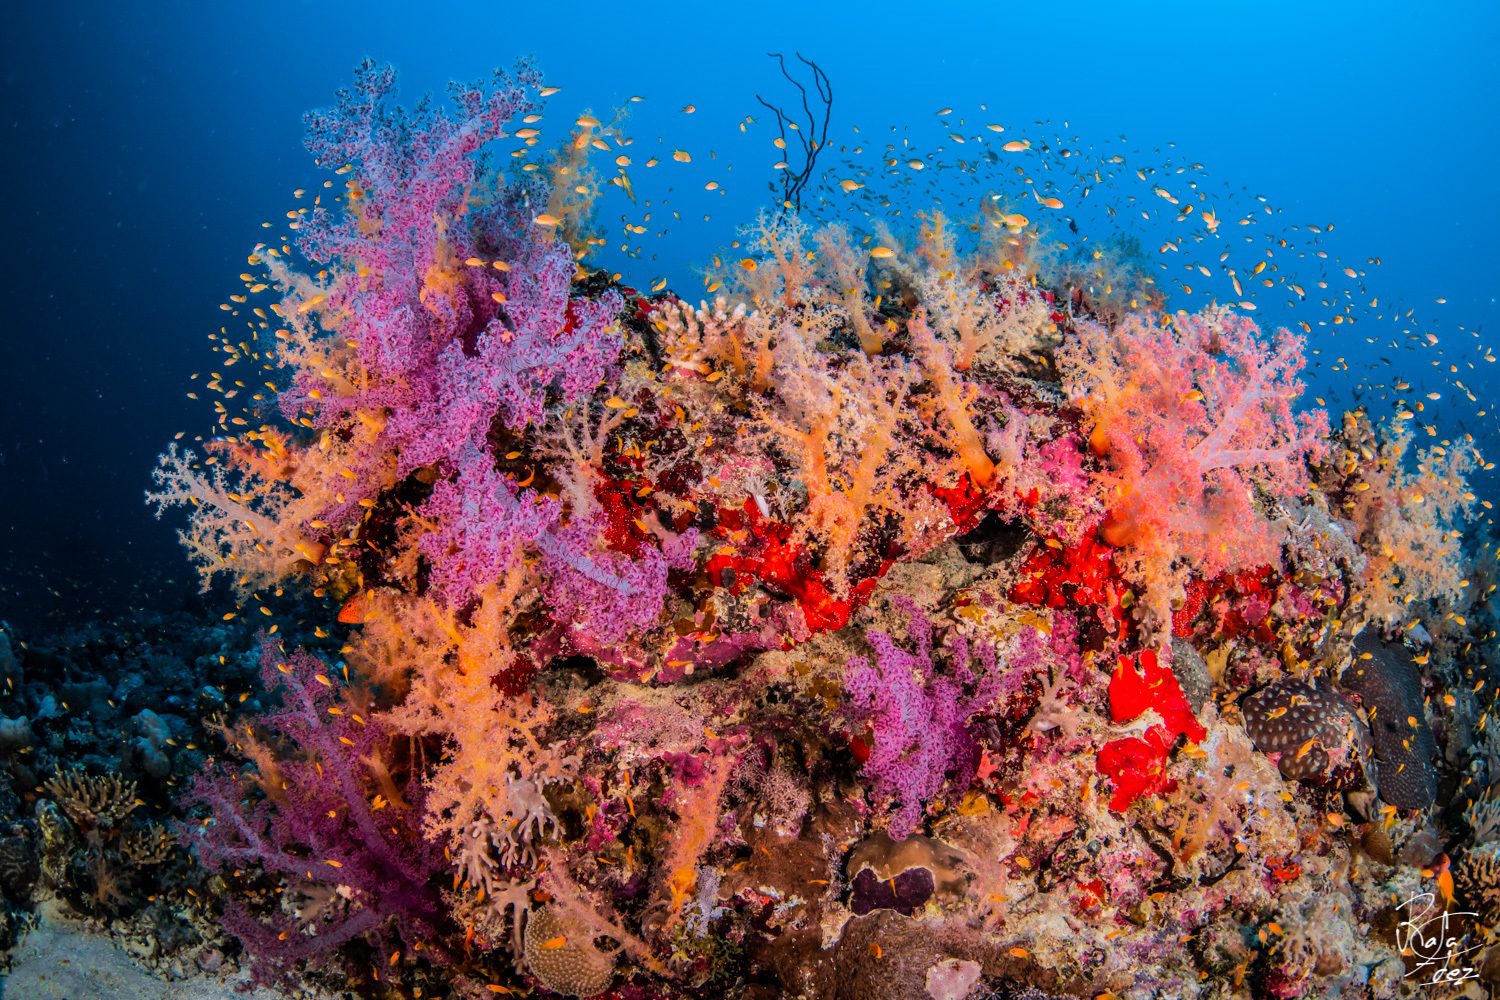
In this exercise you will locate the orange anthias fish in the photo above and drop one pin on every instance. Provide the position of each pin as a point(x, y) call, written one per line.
point(1441, 870)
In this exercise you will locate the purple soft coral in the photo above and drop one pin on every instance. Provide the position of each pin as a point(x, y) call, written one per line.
point(314, 825)
point(486, 526)
point(462, 321)
point(919, 716)
point(442, 348)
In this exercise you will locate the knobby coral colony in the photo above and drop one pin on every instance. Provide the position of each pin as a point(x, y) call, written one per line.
point(905, 619)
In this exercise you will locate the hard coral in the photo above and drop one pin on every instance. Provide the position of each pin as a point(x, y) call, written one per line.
point(92, 800)
point(1317, 733)
point(564, 957)
point(1389, 686)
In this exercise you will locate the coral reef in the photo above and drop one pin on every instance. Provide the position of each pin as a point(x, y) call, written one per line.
point(106, 730)
point(913, 619)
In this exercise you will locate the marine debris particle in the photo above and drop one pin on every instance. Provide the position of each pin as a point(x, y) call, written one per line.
point(1385, 678)
point(1317, 734)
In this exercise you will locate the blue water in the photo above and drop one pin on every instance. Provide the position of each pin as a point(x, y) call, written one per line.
point(145, 144)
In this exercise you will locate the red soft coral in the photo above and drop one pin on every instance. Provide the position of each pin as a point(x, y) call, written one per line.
point(1133, 691)
point(1074, 576)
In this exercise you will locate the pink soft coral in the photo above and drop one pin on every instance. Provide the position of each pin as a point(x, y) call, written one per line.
point(918, 706)
point(449, 311)
point(1193, 414)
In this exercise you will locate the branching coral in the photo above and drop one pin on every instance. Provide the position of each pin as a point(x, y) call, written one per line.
point(918, 706)
point(318, 820)
point(1406, 516)
point(1192, 414)
point(93, 800)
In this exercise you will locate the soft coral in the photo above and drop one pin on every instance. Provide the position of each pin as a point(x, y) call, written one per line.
point(918, 706)
point(314, 825)
point(1137, 764)
point(1192, 413)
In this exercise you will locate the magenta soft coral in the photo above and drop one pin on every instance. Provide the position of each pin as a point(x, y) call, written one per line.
point(462, 318)
point(444, 344)
point(918, 705)
point(320, 824)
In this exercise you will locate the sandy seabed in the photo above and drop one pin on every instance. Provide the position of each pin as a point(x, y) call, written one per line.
point(61, 959)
